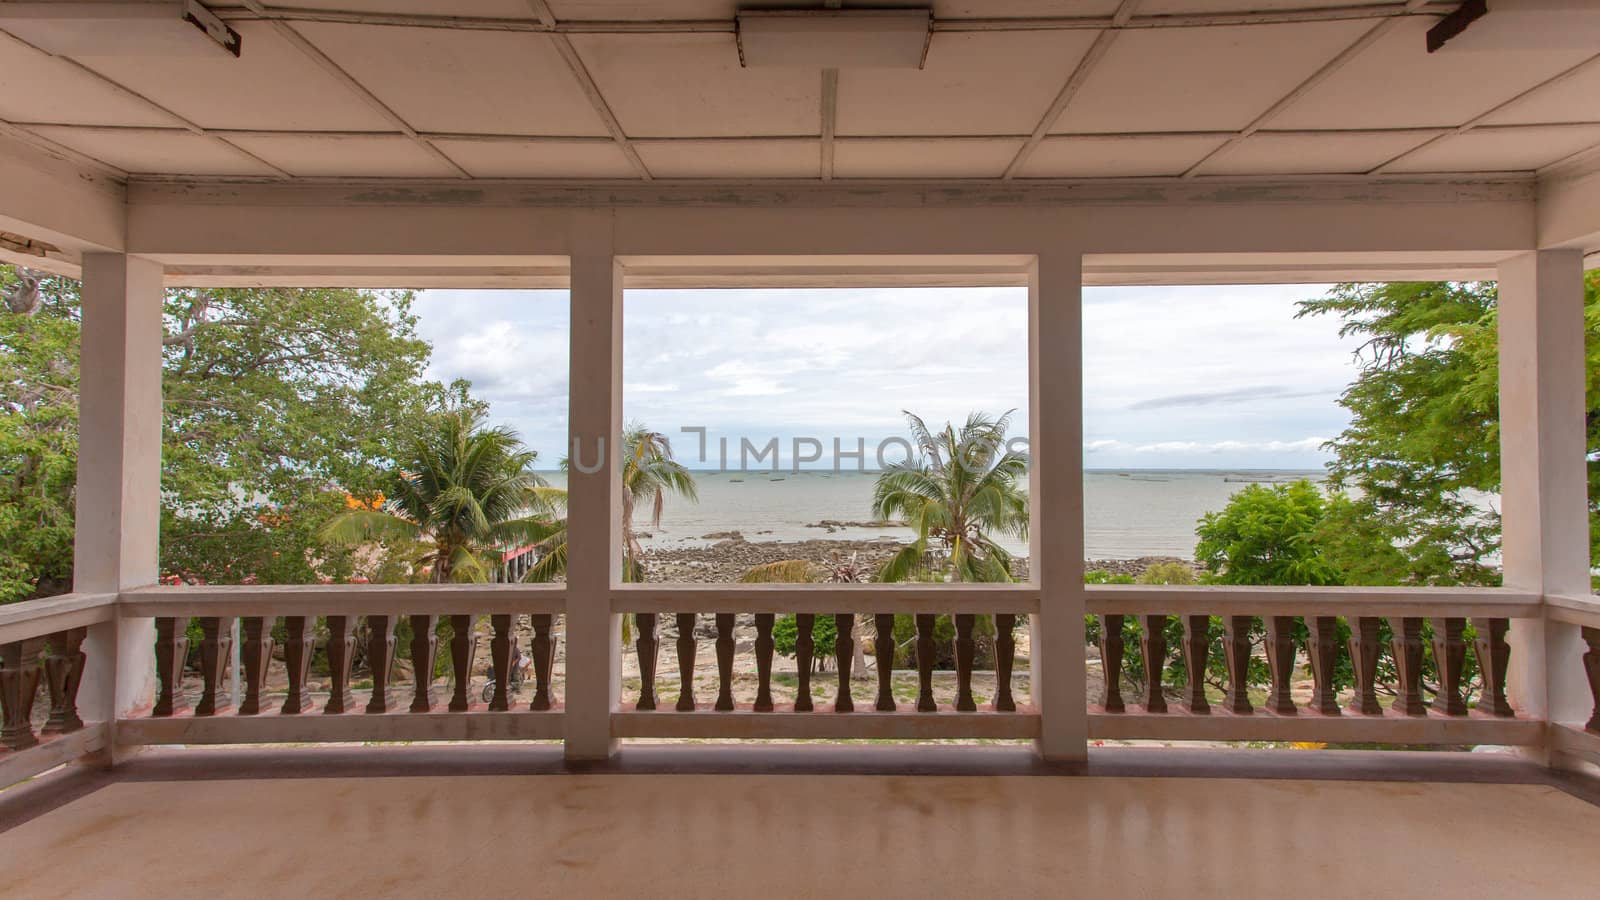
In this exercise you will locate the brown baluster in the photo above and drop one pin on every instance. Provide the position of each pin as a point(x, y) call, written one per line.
point(1196, 648)
point(172, 651)
point(686, 652)
point(500, 660)
point(1450, 657)
point(648, 647)
point(1406, 647)
point(544, 659)
point(1236, 654)
point(1365, 647)
point(299, 644)
point(424, 652)
point(1153, 643)
point(341, 658)
point(1112, 647)
point(255, 659)
point(1005, 656)
point(1323, 648)
point(1591, 666)
point(925, 623)
point(19, 682)
point(63, 671)
point(844, 655)
point(883, 650)
point(764, 645)
point(216, 652)
point(462, 644)
point(805, 643)
point(966, 652)
point(380, 661)
point(1280, 664)
point(1493, 654)
point(724, 662)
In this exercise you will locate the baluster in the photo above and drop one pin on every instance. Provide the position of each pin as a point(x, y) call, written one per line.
point(1236, 654)
point(1364, 650)
point(648, 647)
point(844, 655)
point(216, 652)
point(255, 658)
point(686, 652)
point(19, 682)
point(380, 661)
point(724, 662)
point(764, 645)
point(804, 645)
point(1005, 656)
point(1450, 657)
point(883, 650)
point(544, 659)
point(966, 652)
point(341, 657)
point(299, 644)
point(1406, 647)
point(500, 660)
point(1111, 650)
point(1153, 643)
point(63, 671)
point(1591, 666)
point(1196, 648)
point(1280, 664)
point(424, 651)
point(1494, 654)
point(1323, 648)
point(463, 643)
point(925, 623)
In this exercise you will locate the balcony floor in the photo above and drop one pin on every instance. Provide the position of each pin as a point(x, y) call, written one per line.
point(501, 822)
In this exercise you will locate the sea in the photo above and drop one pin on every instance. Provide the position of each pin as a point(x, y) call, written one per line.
point(1128, 513)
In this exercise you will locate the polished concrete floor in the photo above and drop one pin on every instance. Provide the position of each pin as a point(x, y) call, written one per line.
point(757, 836)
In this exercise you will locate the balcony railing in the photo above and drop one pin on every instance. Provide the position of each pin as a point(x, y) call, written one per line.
point(43, 643)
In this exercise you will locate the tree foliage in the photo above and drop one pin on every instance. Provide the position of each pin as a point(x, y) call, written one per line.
point(962, 491)
point(278, 403)
point(1423, 443)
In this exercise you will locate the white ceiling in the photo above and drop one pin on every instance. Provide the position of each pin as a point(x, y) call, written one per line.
point(632, 89)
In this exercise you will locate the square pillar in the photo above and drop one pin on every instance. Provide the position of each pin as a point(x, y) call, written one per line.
point(1055, 418)
point(1544, 483)
point(119, 472)
point(594, 503)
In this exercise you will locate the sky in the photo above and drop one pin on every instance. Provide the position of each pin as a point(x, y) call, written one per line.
point(1174, 377)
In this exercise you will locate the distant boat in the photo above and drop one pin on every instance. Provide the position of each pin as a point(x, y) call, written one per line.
point(735, 480)
point(774, 479)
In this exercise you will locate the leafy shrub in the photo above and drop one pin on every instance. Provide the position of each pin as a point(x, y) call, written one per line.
point(824, 634)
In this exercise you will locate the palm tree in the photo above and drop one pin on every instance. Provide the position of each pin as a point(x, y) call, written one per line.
point(463, 491)
point(649, 474)
point(960, 493)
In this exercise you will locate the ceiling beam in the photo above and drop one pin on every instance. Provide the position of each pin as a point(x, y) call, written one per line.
point(1476, 122)
point(580, 72)
point(830, 119)
point(1333, 12)
point(185, 124)
point(1080, 74)
point(326, 63)
point(1349, 53)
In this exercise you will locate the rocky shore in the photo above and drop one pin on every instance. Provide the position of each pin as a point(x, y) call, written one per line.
point(728, 559)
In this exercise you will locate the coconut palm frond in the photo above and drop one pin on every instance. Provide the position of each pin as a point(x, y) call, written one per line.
point(784, 571)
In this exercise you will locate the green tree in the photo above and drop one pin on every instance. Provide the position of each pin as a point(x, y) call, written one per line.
point(1424, 433)
point(464, 491)
point(962, 491)
point(278, 404)
point(1266, 535)
point(649, 474)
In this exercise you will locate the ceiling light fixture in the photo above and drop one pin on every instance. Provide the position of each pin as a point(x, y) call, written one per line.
point(834, 38)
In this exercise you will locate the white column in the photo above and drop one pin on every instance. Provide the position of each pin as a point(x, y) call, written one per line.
point(1055, 419)
point(1544, 484)
point(594, 507)
point(119, 472)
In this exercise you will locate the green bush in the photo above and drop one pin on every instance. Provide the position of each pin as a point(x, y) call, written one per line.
point(824, 635)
